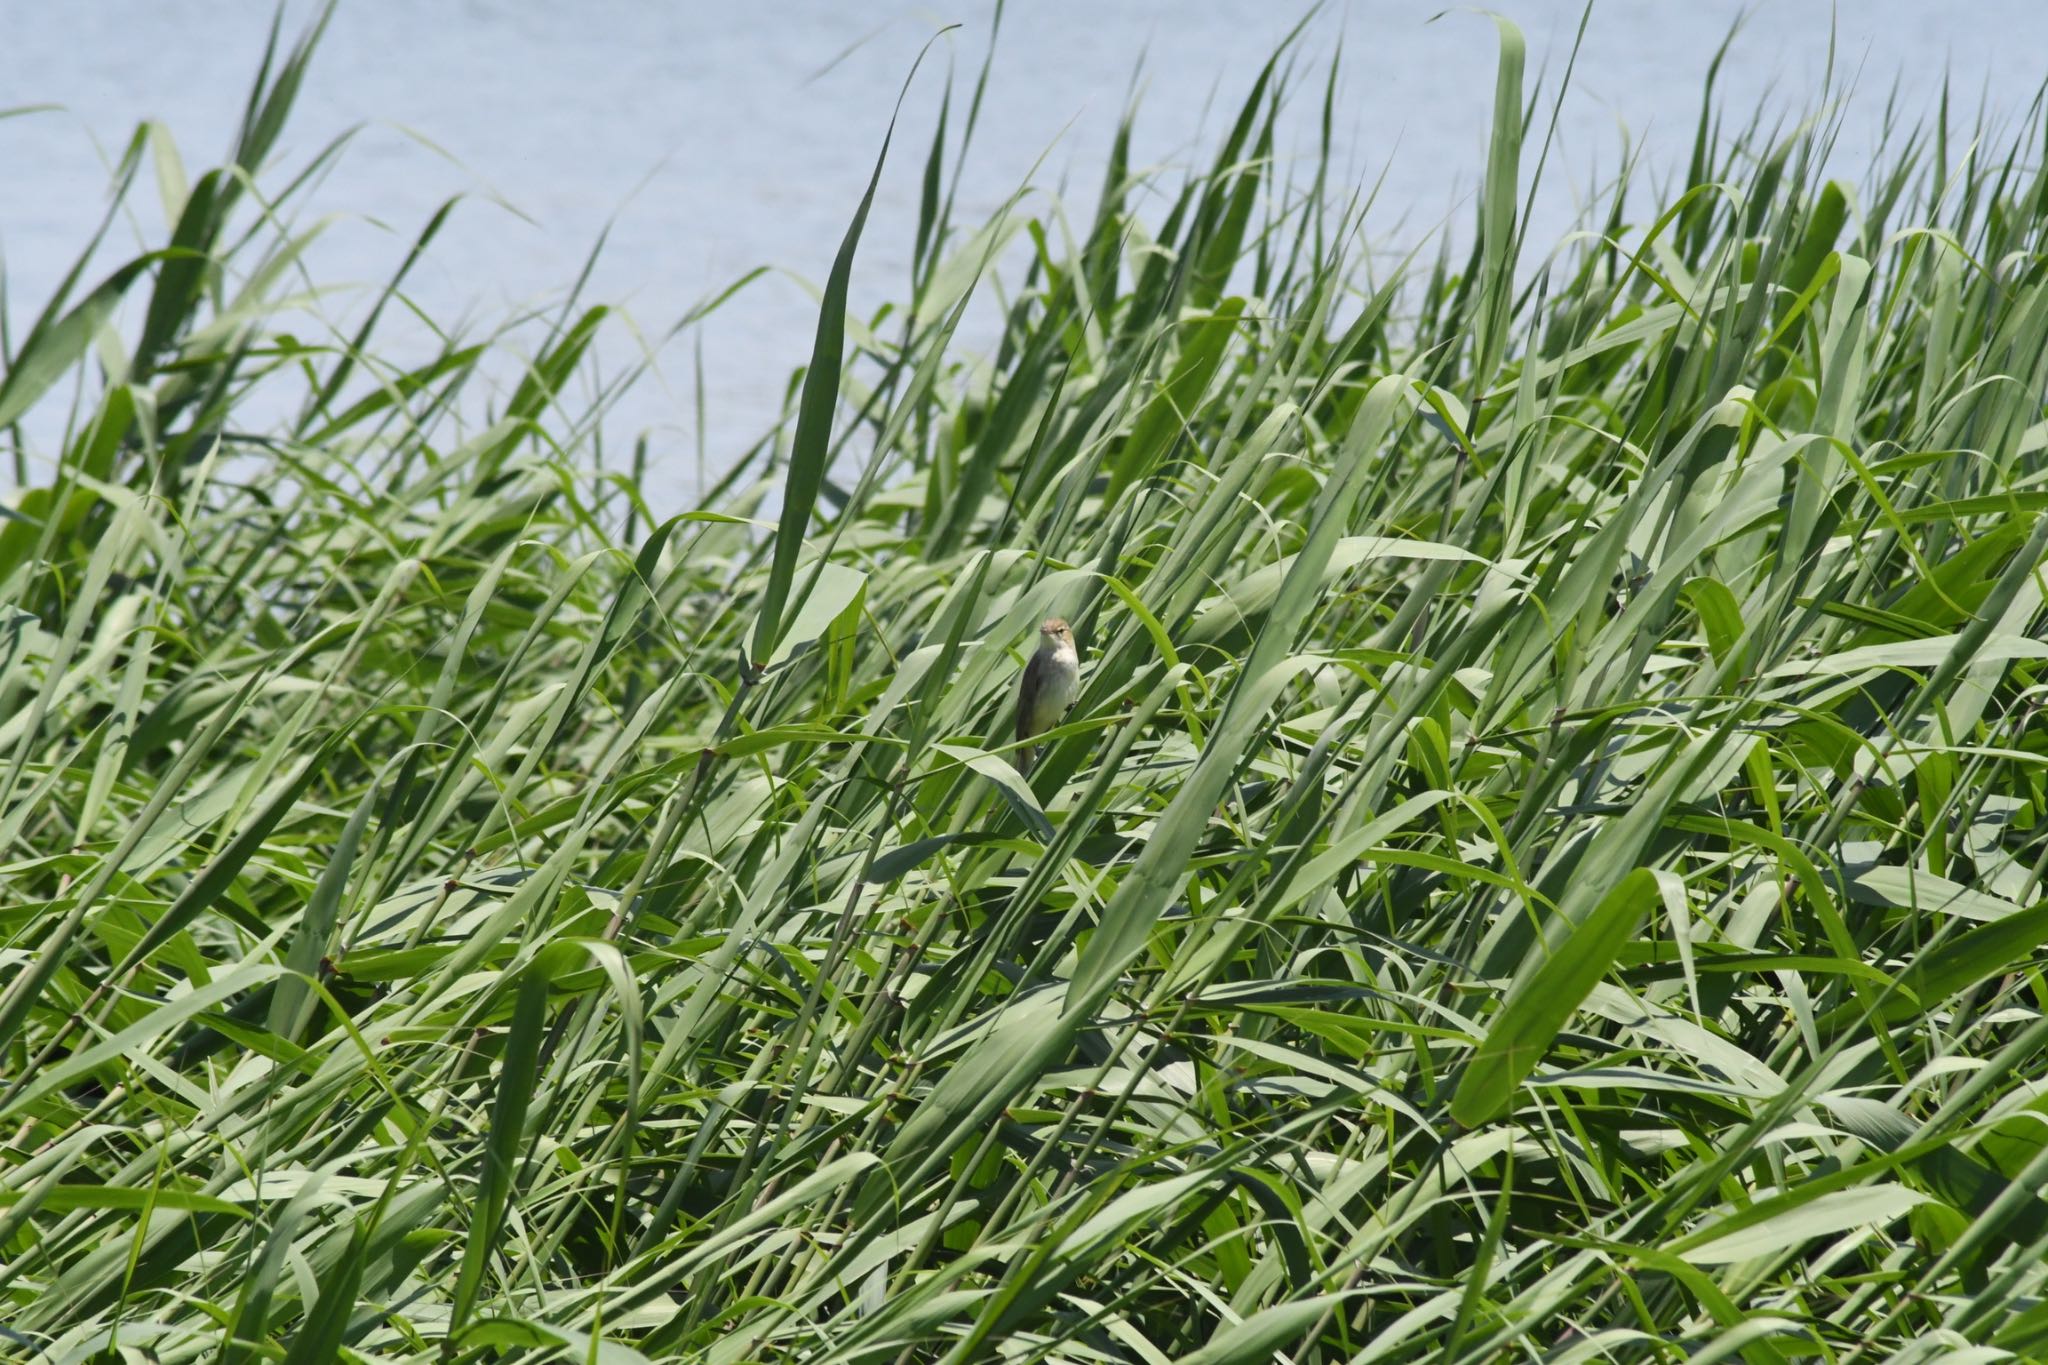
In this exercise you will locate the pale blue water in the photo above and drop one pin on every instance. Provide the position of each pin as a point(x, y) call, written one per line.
point(717, 137)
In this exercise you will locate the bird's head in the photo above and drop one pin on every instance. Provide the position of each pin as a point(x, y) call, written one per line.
point(1056, 632)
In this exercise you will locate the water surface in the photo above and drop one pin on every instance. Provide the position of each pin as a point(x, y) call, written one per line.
point(715, 137)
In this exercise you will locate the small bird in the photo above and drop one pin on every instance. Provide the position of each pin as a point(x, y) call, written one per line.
point(1051, 681)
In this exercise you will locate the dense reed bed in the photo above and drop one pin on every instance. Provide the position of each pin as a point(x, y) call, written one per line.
point(1546, 863)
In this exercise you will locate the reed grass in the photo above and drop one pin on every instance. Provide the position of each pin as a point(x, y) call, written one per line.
point(1546, 863)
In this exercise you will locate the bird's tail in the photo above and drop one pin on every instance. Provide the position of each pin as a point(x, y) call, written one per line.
point(1023, 758)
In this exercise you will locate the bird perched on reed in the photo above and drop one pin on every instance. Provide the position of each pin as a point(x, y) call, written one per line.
point(1051, 681)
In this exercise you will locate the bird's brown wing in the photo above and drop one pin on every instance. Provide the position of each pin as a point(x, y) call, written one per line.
point(1027, 694)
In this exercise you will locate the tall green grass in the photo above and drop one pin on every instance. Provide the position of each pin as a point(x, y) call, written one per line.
point(1546, 864)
